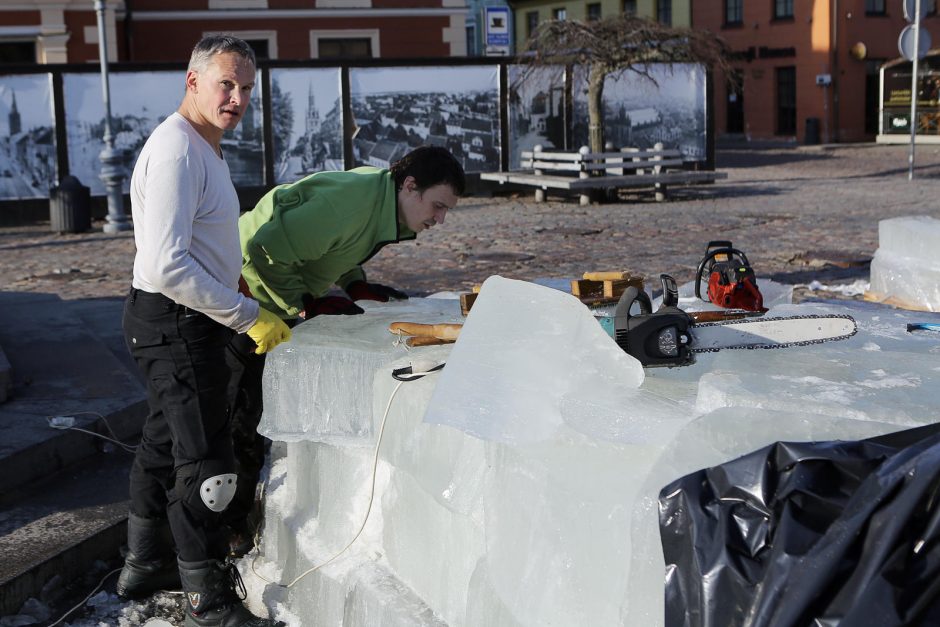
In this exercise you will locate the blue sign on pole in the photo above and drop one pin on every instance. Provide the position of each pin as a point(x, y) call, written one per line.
point(497, 30)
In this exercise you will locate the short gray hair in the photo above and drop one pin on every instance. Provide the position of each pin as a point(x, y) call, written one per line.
point(211, 45)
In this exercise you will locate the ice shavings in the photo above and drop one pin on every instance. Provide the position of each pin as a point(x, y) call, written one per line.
point(855, 288)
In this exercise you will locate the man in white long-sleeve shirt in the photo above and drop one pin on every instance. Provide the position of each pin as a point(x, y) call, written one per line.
point(178, 318)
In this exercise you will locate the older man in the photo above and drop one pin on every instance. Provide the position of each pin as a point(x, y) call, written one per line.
point(180, 314)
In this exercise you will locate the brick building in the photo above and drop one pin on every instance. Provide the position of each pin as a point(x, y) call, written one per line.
point(808, 69)
point(65, 31)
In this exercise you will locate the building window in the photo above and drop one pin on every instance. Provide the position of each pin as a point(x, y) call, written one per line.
point(594, 11)
point(17, 52)
point(786, 100)
point(263, 42)
point(560, 14)
point(664, 12)
point(875, 7)
point(629, 8)
point(358, 48)
point(260, 47)
point(531, 23)
point(345, 43)
point(783, 9)
point(734, 12)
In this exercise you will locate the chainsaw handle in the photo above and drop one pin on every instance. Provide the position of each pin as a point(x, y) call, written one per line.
point(670, 291)
point(718, 243)
point(631, 295)
point(710, 255)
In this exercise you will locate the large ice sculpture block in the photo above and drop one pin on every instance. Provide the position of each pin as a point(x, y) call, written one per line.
point(906, 267)
point(517, 487)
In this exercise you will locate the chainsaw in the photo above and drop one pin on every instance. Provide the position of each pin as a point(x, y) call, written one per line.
point(731, 281)
point(671, 337)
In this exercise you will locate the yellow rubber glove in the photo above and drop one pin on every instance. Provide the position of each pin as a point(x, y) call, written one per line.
point(268, 331)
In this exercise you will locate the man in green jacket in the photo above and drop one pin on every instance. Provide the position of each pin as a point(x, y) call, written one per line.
point(299, 241)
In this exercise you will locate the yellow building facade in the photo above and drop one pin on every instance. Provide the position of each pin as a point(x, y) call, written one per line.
point(527, 14)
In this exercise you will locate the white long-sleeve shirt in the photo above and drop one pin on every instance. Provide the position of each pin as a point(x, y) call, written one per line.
point(185, 212)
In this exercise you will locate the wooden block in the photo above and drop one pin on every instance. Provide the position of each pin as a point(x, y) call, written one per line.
point(466, 302)
point(584, 288)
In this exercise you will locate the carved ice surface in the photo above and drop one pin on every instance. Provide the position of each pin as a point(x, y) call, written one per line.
point(518, 486)
point(527, 355)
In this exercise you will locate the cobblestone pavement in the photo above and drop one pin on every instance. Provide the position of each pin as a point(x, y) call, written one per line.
point(798, 214)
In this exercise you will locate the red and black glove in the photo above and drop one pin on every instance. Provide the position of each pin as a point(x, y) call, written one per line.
point(360, 290)
point(328, 306)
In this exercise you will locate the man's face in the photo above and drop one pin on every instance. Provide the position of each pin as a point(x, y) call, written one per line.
point(222, 90)
point(422, 210)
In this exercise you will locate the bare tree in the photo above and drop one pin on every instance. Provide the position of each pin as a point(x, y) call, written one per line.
point(614, 45)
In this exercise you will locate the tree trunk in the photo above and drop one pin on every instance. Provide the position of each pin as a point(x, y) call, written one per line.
point(596, 78)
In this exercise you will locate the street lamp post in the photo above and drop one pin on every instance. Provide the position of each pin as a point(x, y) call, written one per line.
point(112, 171)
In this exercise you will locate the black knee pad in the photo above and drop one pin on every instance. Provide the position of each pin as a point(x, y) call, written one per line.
point(207, 487)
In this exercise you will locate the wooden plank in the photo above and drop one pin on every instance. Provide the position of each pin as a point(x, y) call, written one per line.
point(544, 154)
point(537, 180)
point(549, 165)
point(634, 165)
point(627, 154)
point(606, 276)
point(642, 180)
point(628, 180)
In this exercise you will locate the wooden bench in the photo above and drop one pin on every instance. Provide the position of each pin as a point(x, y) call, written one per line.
point(584, 170)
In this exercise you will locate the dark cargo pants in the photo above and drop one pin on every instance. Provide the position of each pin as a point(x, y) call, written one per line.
point(186, 438)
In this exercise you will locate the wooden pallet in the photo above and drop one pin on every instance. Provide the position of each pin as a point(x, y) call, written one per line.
point(604, 285)
point(595, 289)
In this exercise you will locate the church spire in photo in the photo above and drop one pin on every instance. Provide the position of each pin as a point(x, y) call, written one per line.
point(14, 117)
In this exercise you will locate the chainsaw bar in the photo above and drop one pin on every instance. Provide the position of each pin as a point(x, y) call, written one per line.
point(671, 337)
point(806, 330)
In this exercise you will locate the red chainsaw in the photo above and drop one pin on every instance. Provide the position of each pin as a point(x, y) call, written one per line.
point(731, 280)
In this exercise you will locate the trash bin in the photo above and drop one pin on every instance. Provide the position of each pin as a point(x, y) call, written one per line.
point(70, 206)
point(812, 131)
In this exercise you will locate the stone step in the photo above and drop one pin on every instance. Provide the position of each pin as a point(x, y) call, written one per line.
point(63, 492)
point(61, 527)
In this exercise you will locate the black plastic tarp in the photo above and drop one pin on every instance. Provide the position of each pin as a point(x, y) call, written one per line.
point(821, 533)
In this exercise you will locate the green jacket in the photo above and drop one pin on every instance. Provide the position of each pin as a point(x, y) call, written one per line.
point(303, 237)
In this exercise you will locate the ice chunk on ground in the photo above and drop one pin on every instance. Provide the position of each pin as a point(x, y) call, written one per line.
point(906, 267)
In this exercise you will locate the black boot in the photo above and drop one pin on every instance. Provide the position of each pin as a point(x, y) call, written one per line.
point(214, 592)
point(150, 564)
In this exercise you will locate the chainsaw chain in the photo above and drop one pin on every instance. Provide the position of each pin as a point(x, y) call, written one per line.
point(771, 346)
